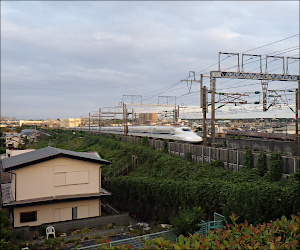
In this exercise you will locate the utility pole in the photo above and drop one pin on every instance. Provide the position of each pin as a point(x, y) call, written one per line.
point(99, 120)
point(132, 115)
point(203, 101)
point(264, 86)
point(297, 117)
point(177, 116)
point(125, 119)
point(89, 122)
point(203, 105)
point(213, 91)
point(204, 111)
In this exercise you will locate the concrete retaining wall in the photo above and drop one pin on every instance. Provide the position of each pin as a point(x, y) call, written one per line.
point(285, 147)
point(66, 226)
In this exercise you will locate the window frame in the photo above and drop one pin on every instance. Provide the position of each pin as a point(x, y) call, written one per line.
point(28, 216)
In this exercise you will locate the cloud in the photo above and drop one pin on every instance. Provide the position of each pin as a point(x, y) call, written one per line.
point(80, 55)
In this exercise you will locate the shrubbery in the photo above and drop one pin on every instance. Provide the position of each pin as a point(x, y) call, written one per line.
point(279, 234)
point(162, 182)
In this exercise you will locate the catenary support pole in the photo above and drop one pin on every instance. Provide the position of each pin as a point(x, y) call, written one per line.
point(213, 91)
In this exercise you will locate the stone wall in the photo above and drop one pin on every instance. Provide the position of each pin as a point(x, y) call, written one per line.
point(67, 226)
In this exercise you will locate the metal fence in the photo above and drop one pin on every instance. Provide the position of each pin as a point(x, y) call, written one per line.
point(205, 227)
point(139, 241)
point(135, 242)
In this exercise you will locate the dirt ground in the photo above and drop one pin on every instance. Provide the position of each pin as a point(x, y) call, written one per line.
point(90, 236)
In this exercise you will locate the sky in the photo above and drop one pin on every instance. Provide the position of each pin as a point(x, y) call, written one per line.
point(62, 59)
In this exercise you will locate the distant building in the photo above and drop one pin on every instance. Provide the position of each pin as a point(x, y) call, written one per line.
point(37, 123)
point(50, 185)
point(10, 153)
point(289, 129)
point(49, 123)
point(70, 122)
point(148, 118)
point(14, 141)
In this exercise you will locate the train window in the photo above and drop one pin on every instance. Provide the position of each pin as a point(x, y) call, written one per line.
point(186, 129)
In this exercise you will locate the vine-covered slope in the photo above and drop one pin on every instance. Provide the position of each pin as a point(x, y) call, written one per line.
point(161, 183)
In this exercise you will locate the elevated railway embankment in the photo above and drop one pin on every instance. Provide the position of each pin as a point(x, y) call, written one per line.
point(274, 136)
point(232, 157)
point(268, 145)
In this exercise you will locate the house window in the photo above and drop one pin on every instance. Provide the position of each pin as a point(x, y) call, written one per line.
point(74, 213)
point(28, 216)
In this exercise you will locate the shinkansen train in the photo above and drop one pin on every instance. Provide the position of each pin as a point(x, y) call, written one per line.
point(174, 133)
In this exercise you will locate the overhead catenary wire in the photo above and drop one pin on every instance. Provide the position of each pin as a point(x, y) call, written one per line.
point(172, 86)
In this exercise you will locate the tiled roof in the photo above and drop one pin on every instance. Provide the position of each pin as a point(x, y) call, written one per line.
point(43, 154)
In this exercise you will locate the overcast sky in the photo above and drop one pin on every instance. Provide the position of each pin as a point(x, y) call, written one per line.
point(66, 59)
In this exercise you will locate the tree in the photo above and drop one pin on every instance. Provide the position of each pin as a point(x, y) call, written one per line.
point(5, 232)
point(248, 158)
point(187, 220)
point(276, 170)
point(262, 164)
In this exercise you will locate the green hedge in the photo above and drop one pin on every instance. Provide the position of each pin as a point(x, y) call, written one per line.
point(163, 182)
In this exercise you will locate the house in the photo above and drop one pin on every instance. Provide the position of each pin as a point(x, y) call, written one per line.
point(14, 141)
point(14, 152)
point(51, 185)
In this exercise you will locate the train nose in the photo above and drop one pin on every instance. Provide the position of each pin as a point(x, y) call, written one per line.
point(195, 140)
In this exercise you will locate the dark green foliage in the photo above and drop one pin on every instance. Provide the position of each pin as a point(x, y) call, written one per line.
point(5, 233)
point(256, 202)
point(161, 183)
point(145, 141)
point(275, 173)
point(186, 221)
point(188, 157)
point(294, 192)
point(248, 158)
point(165, 146)
point(262, 164)
point(217, 164)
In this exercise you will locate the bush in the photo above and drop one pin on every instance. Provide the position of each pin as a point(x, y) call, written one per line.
point(276, 170)
point(217, 164)
point(248, 159)
point(187, 220)
point(145, 141)
point(165, 146)
point(5, 232)
point(262, 164)
point(188, 157)
point(279, 234)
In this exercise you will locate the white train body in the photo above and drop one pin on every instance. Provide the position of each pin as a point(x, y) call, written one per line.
point(160, 132)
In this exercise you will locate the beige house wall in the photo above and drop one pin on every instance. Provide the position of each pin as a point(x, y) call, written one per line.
point(60, 176)
point(58, 212)
point(10, 153)
point(12, 186)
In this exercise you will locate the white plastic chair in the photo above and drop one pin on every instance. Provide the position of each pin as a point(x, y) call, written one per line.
point(50, 230)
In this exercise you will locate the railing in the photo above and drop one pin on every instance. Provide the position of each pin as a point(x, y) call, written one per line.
point(135, 242)
point(205, 227)
point(139, 241)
